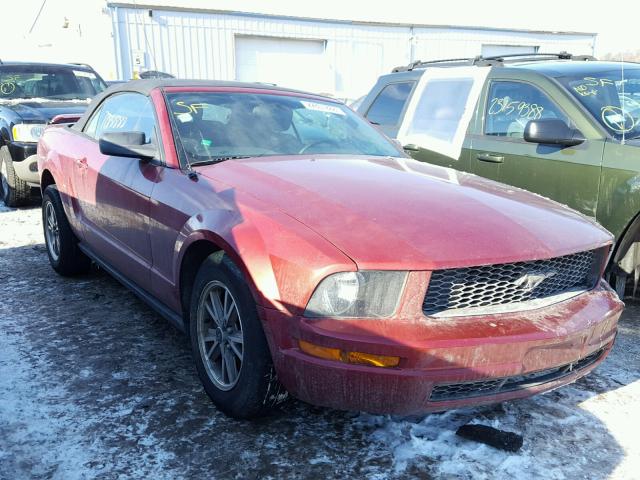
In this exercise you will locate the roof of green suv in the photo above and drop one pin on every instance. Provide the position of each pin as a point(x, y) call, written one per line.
point(551, 68)
point(560, 68)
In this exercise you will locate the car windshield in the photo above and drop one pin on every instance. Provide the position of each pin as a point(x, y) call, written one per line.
point(612, 97)
point(214, 125)
point(48, 82)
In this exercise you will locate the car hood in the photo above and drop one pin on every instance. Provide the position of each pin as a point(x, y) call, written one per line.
point(45, 110)
point(397, 213)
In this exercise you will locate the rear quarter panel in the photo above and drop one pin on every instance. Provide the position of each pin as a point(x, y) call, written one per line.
point(58, 148)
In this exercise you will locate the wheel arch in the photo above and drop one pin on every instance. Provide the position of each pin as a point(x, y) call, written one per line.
point(194, 252)
point(623, 250)
point(46, 179)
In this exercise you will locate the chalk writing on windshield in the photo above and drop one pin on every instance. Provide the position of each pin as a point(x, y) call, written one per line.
point(189, 108)
point(617, 119)
point(114, 122)
point(589, 86)
point(8, 85)
point(506, 106)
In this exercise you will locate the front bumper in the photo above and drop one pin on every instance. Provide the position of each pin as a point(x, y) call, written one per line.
point(25, 161)
point(571, 337)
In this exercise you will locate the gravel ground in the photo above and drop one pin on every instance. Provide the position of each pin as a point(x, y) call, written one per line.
point(94, 384)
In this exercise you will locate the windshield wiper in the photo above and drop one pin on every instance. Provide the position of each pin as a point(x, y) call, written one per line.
point(217, 160)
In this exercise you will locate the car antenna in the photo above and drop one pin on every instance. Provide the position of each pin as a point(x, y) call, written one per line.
point(623, 103)
point(191, 173)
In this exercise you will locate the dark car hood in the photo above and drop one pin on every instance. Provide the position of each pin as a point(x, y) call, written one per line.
point(35, 111)
point(400, 213)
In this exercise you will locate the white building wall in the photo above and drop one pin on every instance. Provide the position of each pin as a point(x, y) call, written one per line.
point(438, 43)
point(202, 45)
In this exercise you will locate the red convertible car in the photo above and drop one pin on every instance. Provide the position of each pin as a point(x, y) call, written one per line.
point(303, 252)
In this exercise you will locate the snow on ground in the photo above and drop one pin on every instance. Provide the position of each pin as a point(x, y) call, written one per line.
point(16, 101)
point(95, 385)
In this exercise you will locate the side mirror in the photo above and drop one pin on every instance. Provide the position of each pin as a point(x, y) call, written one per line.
point(552, 131)
point(126, 144)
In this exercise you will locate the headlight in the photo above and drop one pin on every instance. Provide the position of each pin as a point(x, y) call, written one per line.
point(357, 295)
point(27, 132)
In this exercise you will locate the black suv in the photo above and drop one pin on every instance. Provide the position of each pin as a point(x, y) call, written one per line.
point(33, 95)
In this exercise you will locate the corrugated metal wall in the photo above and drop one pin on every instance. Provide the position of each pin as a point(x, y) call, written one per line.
point(202, 45)
point(439, 43)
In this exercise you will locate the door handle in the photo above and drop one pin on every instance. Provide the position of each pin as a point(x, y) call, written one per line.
point(81, 162)
point(490, 157)
point(411, 148)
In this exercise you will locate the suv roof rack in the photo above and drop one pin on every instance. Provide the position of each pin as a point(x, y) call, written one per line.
point(80, 64)
point(494, 61)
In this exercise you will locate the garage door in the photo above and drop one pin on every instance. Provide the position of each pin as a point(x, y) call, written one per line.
point(286, 62)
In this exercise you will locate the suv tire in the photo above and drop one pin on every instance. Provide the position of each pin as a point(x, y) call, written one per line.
point(228, 343)
point(62, 244)
point(15, 192)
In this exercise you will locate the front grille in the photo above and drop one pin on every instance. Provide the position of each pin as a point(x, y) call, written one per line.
point(454, 291)
point(494, 386)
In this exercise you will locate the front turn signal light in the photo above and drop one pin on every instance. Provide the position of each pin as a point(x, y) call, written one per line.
point(321, 352)
point(358, 358)
point(373, 360)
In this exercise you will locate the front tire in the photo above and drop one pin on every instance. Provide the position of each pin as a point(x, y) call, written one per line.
point(228, 344)
point(62, 244)
point(15, 191)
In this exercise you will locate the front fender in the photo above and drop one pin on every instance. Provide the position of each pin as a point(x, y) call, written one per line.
point(282, 260)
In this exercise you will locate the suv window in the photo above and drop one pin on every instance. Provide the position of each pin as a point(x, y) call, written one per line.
point(441, 107)
point(612, 97)
point(48, 81)
point(126, 112)
point(510, 106)
point(388, 105)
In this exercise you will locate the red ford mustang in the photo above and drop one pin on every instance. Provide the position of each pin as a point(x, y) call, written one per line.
point(299, 248)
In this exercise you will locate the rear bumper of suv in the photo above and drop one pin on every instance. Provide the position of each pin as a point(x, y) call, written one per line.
point(446, 363)
point(25, 162)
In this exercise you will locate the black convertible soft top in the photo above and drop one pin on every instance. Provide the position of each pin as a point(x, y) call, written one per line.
point(145, 86)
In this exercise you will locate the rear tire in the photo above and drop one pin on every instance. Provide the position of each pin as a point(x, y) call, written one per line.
point(15, 192)
point(229, 330)
point(62, 244)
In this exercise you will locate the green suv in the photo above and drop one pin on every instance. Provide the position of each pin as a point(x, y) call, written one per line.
point(565, 127)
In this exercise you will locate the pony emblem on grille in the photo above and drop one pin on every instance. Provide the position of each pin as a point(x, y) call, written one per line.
point(529, 281)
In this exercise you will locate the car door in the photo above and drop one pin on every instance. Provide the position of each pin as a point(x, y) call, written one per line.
point(569, 175)
point(439, 116)
point(115, 191)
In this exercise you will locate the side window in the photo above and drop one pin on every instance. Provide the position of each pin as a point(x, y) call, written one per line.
point(126, 112)
point(441, 107)
point(510, 106)
point(90, 128)
point(388, 105)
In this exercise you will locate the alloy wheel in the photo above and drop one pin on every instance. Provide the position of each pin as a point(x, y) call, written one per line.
point(52, 231)
point(220, 336)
